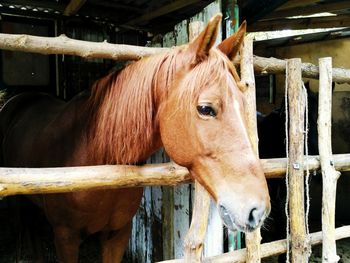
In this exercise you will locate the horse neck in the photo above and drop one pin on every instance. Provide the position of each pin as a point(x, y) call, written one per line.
point(125, 105)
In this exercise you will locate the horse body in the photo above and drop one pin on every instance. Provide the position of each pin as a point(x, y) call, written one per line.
point(54, 139)
point(186, 100)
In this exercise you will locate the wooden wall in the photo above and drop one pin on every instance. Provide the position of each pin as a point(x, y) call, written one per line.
point(24, 231)
point(165, 214)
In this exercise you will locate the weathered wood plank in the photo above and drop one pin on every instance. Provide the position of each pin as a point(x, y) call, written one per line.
point(15, 181)
point(166, 9)
point(301, 23)
point(196, 234)
point(309, 10)
point(73, 7)
point(182, 193)
point(267, 249)
point(68, 46)
point(296, 104)
point(168, 192)
point(247, 73)
point(214, 242)
point(329, 174)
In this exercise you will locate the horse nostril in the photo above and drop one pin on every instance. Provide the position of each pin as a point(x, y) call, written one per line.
point(255, 217)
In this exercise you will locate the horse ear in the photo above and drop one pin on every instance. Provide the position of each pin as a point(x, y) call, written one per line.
point(206, 39)
point(230, 46)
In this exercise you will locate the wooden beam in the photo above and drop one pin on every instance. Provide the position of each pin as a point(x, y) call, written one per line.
point(267, 250)
point(65, 45)
point(255, 10)
point(15, 181)
point(276, 168)
point(87, 49)
point(297, 3)
point(73, 7)
point(92, 12)
point(309, 10)
point(194, 239)
point(295, 181)
point(309, 70)
point(59, 6)
point(302, 39)
point(301, 23)
point(151, 14)
point(252, 239)
point(115, 5)
point(329, 174)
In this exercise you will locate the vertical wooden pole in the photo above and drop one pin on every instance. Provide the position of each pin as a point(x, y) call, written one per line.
point(230, 10)
point(296, 102)
point(182, 193)
point(247, 74)
point(194, 239)
point(329, 174)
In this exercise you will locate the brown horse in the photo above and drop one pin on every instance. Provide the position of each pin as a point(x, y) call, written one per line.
point(187, 100)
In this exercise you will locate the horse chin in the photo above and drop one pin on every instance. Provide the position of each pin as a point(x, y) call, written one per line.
point(233, 226)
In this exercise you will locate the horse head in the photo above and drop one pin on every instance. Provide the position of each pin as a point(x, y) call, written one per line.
point(203, 127)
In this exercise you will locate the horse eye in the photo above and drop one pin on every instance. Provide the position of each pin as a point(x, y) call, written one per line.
point(206, 110)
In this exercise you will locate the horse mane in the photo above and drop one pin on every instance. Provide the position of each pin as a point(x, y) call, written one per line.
point(122, 110)
point(124, 104)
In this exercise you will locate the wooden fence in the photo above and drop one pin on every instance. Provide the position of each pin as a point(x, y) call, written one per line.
point(30, 180)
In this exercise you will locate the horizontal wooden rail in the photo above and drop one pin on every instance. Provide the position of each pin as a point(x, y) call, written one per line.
point(67, 179)
point(65, 45)
point(267, 249)
point(308, 70)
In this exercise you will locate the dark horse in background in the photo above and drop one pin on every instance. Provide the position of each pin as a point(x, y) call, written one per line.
point(272, 144)
point(187, 99)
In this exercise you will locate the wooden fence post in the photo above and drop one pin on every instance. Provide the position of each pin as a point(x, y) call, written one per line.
point(247, 74)
point(296, 102)
point(194, 239)
point(329, 174)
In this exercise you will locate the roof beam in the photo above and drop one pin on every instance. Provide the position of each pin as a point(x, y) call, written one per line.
point(113, 4)
point(164, 10)
point(309, 10)
point(297, 3)
point(36, 3)
point(301, 23)
point(92, 12)
point(255, 10)
point(300, 39)
point(73, 7)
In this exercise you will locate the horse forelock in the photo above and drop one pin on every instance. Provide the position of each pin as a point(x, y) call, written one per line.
point(215, 69)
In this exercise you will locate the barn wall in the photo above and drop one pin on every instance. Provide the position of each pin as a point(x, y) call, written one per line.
point(164, 216)
point(24, 231)
point(338, 49)
point(76, 74)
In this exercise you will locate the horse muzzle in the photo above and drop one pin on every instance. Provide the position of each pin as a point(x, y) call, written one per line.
point(246, 219)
